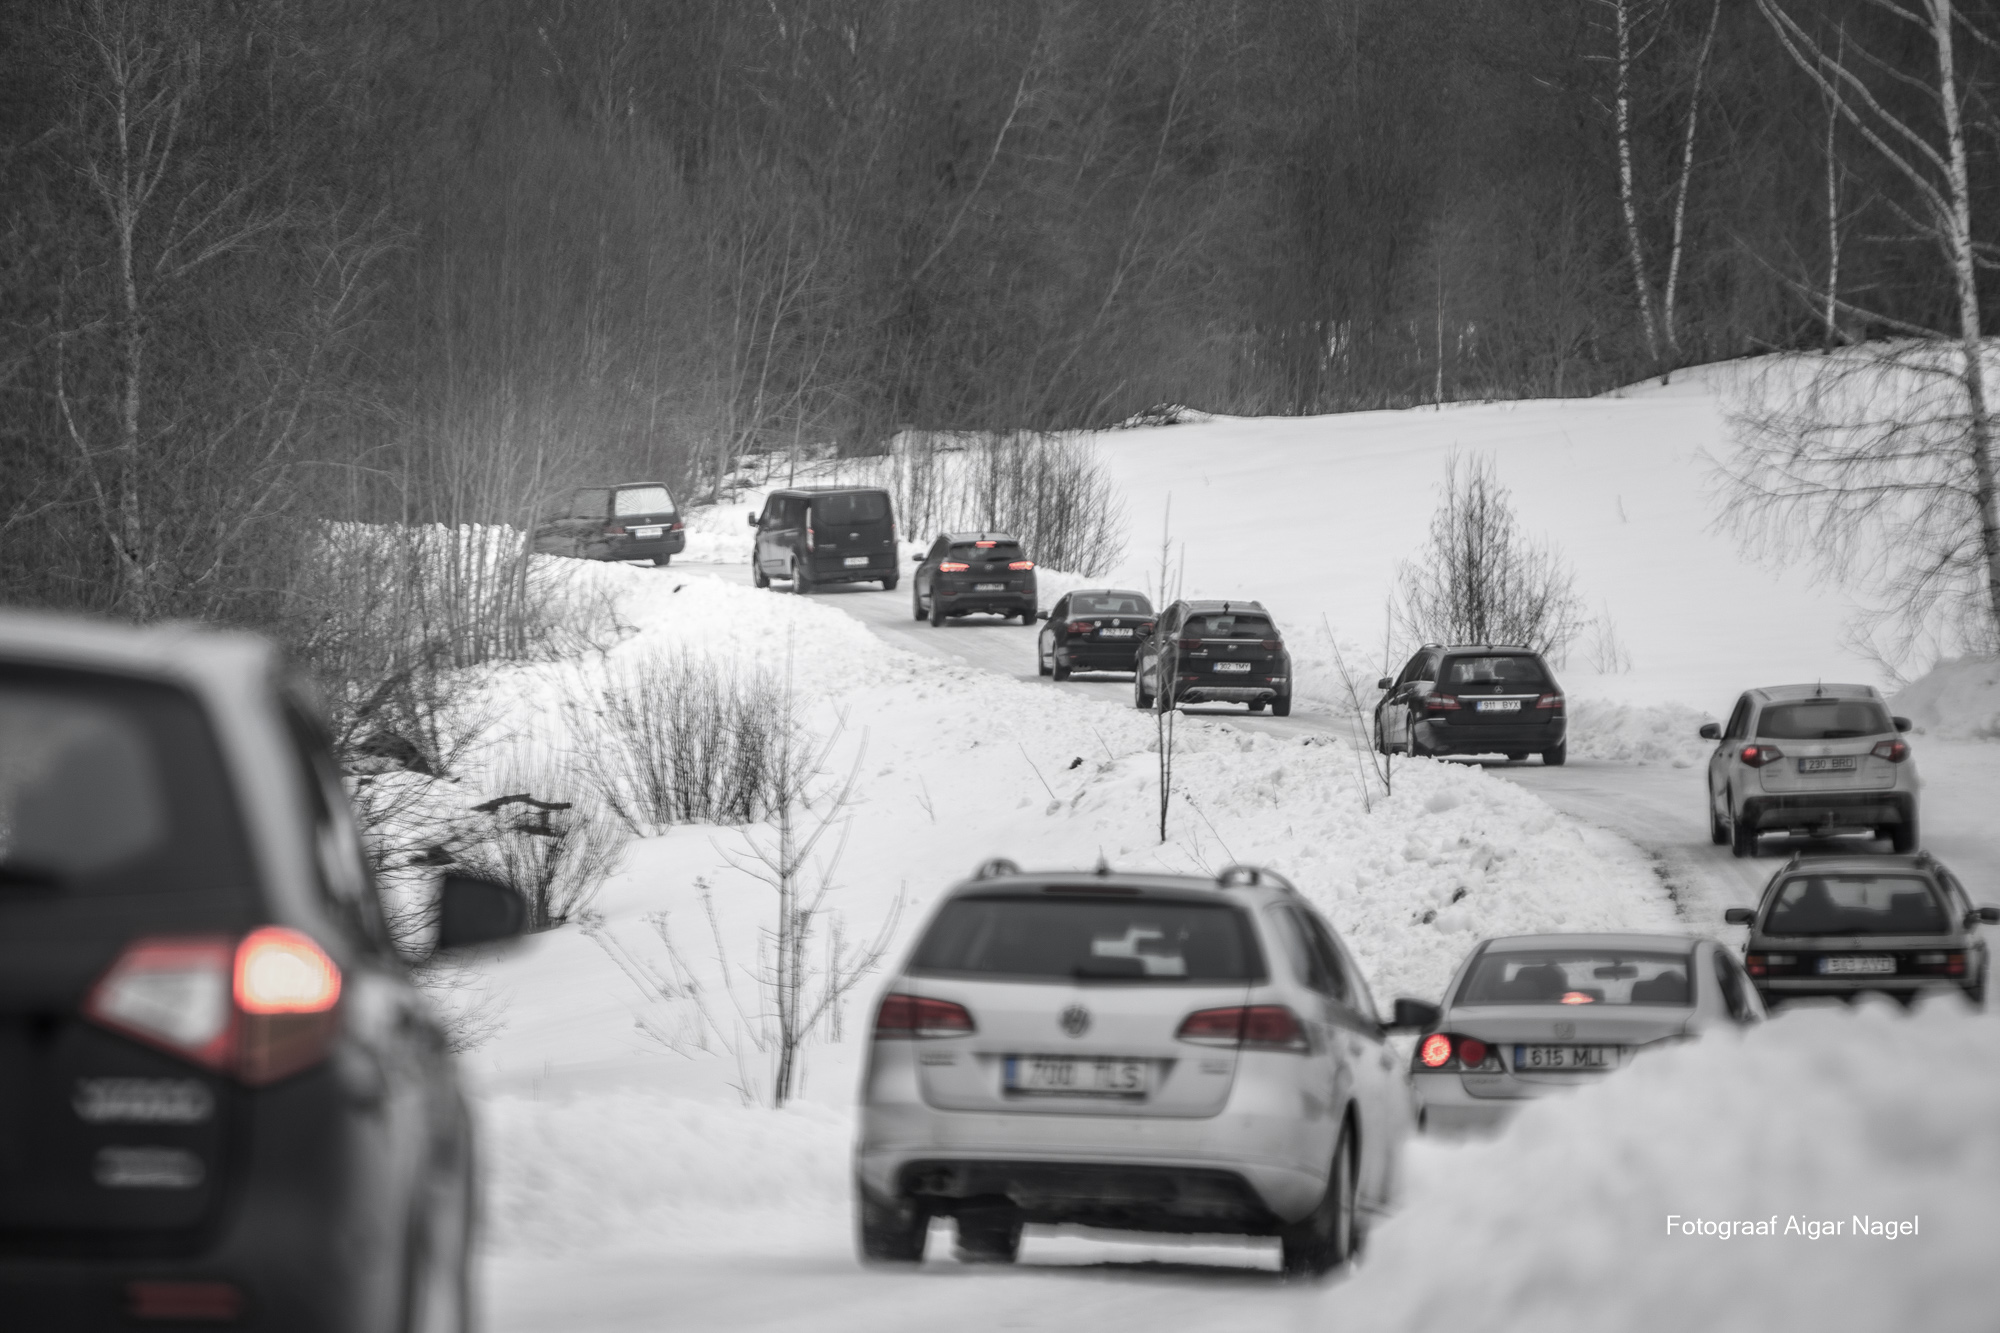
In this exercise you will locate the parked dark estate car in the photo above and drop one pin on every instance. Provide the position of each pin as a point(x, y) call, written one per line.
point(222, 1099)
point(966, 572)
point(815, 535)
point(1214, 653)
point(1094, 629)
point(1839, 925)
point(1473, 699)
point(634, 521)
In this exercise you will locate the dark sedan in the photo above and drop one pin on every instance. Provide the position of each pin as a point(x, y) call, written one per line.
point(1094, 629)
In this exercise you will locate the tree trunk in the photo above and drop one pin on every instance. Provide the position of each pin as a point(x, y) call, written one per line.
point(1681, 190)
point(1623, 105)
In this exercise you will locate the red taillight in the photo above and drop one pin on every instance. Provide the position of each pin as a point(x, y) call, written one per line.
point(1549, 701)
point(1080, 626)
point(183, 1302)
point(811, 539)
point(1441, 703)
point(1265, 1027)
point(952, 566)
point(1756, 756)
point(614, 531)
point(1578, 997)
point(1271, 645)
point(678, 525)
point(1020, 564)
point(985, 546)
point(1754, 964)
point(1471, 1052)
point(260, 1010)
point(1146, 627)
point(1435, 1051)
point(1186, 645)
point(915, 1016)
point(1894, 751)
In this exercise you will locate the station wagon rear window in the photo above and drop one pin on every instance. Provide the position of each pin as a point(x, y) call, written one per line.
point(1082, 938)
point(1578, 979)
point(1515, 669)
point(110, 786)
point(644, 500)
point(850, 507)
point(1857, 905)
point(1823, 720)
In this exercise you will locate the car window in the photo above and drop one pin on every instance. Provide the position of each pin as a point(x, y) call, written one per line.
point(1429, 670)
point(1413, 669)
point(112, 786)
point(344, 881)
point(1823, 720)
point(1069, 938)
point(1359, 999)
point(1856, 905)
point(1326, 957)
point(591, 503)
point(1111, 604)
point(1060, 611)
point(1508, 669)
point(1733, 986)
point(1216, 625)
point(850, 507)
point(1300, 959)
point(1739, 721)
point(642, 500)
point(938, 548)
point(1577, 977)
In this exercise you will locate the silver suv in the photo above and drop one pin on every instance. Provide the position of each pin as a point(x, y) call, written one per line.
point(1813, 760)
point(1139, 1052)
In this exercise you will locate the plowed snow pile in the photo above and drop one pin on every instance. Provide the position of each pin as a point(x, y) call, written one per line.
point(1804, 1126)
point(1956, 700)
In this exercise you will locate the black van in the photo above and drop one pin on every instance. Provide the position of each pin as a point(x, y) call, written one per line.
point(825, 534)
point(633, 521)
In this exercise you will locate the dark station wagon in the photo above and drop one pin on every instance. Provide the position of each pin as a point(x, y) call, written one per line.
point(1473, 699)
point(634, 521)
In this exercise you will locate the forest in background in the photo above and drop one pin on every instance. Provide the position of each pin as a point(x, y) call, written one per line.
point(266, 264)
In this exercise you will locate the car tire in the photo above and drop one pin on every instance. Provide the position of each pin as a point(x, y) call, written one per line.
point(937, 612)
point(1557, 756)
point(1742, 834)
point(916, 604)
point(1140, 699)
point(988, 1236)
point(1903, 838)
point(1413, 747)
point(889, 584)
point(889, 1232)
point(1044, 662)
point(1718, 832)
point(1028, 617)
point(1281, 707)
point(662, 560)
point(1323, 1239)
point(758, 578)
point(1976, 992)
point(1381, 746)
point(1059, 671)
point(802, 584)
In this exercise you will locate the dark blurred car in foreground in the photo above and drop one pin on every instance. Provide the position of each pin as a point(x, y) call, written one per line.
point(222, 1099)
point(968, 572)
point(1528, 1015)
point(1839, 926)
point(1208, 652)
point(635, 521)
point(1094, 629)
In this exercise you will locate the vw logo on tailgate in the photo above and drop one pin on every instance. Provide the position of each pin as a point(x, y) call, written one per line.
point(1075, 1020)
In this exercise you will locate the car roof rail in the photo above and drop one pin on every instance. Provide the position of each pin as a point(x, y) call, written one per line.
point(995, 868)
point(1241, 876)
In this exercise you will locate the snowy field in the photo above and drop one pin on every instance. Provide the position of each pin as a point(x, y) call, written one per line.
point(636, 1180)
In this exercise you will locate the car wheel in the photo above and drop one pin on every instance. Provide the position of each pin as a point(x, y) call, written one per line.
point(1976, 992)
point(1282, 707)
point(988, 1236)
point(1381, 746)
point(1029, 617)
point(802, 583)
point(757, 575)
point(889, 1232)
point(937, 612)
point(1557, 756)
point(1742, 833)
point(889, 584)
point(1059, 671)
point(1903, 837)
point(1718, 832)
point(1044, 662)
point(1413, 747)
point(1322, 1240)
point(660, 560)
point(916, 604)
point(1140, 699)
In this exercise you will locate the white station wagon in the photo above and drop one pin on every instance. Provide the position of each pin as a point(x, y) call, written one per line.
point(1139, 1052)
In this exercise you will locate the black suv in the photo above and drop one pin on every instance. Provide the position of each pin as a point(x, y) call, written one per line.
point(1094, 629)
point(635, 521)
point(1473, 699)
point(965, 572)
point(1839, 925)
point(222, 1099)
point(1214, 653)
point(815, 535)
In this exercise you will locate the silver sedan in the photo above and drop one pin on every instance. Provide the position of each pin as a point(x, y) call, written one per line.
point(1527, 1015)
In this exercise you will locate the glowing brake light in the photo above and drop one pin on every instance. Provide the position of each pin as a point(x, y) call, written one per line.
point(1471, 1052)
point(1436, 1051)
point(1020, 564)
point(986, 546)
point(1894, 751)
point(952, 566)
point(280, 971)
point(916, 1016)
point(1756, 756)
point(1578, 997)
point(1549, 701)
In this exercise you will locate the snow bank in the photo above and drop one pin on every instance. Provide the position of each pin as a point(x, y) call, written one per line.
point(1956, 700)
point(1666, 734)
point(1821, 1116)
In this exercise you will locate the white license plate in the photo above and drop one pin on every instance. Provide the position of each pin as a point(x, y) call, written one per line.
point(1114, 634)
point(1232, 666)
point(989, 587)
point(1498, 706)
point(1078, 1076)
point(1565, 1057)
point(1850, 965)
point(855, 561)
point(1839, 763)
point(645, 532)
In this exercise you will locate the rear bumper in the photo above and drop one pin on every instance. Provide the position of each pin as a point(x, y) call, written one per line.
point(1203, 693)
point(835, 569)
point(1098, 656)
point(1903, 987)
point(1491, 737)
point(634, 548)
point(1006, 603)
point(1860, 809)
point(1445, 1107)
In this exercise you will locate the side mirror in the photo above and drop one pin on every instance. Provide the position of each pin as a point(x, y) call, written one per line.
point(1042, 613)
point(1386, 683)
point(477, 911)
point(1711, 731)
point(1982, 916)
point(1902, 723)
point(1413, 1016)
point(1739, 916)
point(751, 519)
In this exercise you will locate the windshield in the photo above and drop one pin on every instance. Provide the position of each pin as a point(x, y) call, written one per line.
point(850, 507)
point(1823, 720)
point(110, 786)
point(644, 500)
point(1109, 604)
point(1216, 625)
point(1090, 938)
point(1856, 905)
point(1515, 669)
point(1578, 977)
